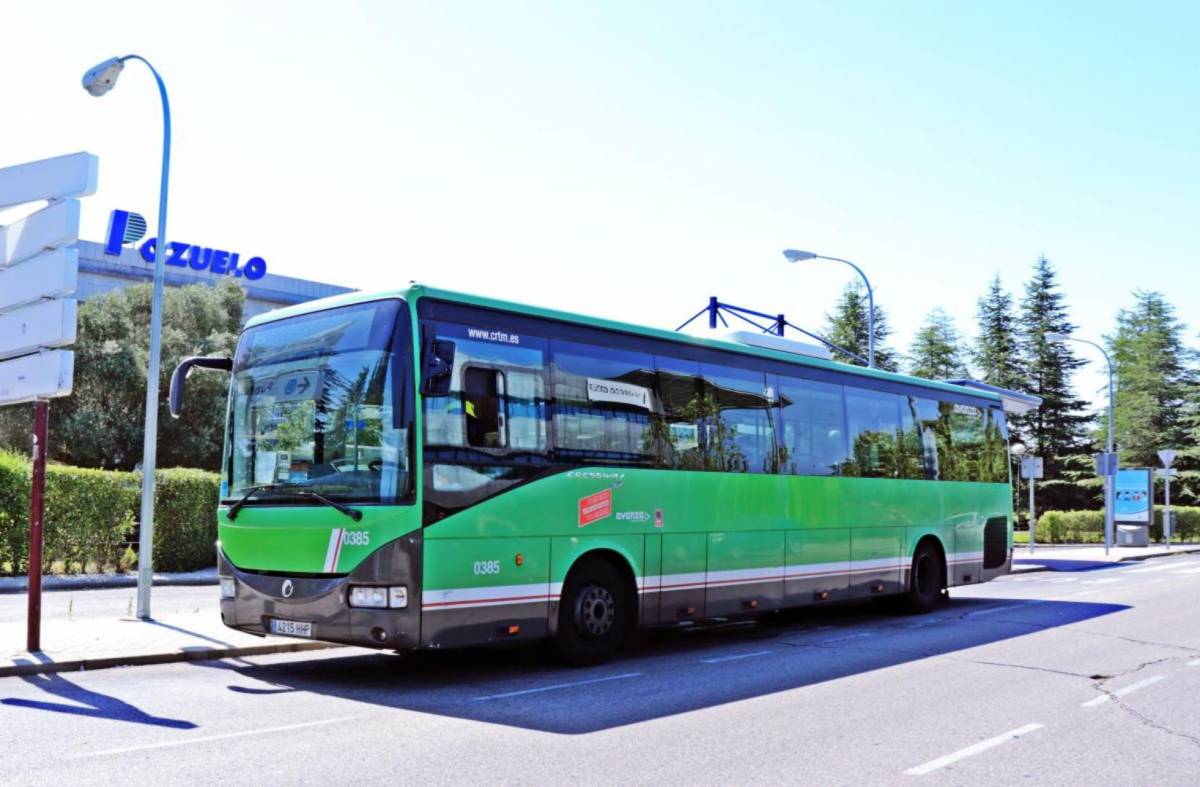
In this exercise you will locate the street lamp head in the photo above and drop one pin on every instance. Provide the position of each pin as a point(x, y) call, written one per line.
point(100, 79)
point(1057, 337)
point(798, 256)
point(1017, 449)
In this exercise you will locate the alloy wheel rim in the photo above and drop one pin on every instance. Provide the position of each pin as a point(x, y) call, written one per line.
point(595, 611)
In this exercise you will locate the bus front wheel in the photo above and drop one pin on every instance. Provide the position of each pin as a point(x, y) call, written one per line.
point(926, 579)
point(593, 614)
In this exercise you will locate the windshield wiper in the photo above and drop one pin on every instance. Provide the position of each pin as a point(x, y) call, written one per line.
point(293, 489)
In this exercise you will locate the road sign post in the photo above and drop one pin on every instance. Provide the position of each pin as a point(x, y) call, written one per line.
point(39, 270)
point(1167, 457)
point(1032, 469)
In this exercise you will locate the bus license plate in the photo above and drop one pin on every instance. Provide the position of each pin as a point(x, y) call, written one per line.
point(291, 628)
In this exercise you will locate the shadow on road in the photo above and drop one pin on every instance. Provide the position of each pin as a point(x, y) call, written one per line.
point(87, 703)
point(675, 671)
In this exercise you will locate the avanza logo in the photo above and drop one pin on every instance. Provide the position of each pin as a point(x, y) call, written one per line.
point(595, 507)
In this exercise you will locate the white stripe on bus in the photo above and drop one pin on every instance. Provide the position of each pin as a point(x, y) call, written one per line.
point(333, 550)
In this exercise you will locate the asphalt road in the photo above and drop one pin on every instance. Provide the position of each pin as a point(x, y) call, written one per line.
point(1087, 677)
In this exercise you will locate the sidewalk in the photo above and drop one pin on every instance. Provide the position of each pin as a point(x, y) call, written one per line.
point(1088, 557)
point(206, 576)
point(95, 629)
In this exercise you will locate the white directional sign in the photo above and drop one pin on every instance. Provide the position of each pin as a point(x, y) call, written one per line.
point(1167, 456)
point(44, 324)
point(62, 177)
point(49, 228)
point(39, 271)
point(39, 376)
point(51, 274)
point(1031, 467)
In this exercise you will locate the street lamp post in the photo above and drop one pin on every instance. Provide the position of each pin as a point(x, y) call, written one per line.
point(1108, 479)
point(97, 82)
point(794, 255)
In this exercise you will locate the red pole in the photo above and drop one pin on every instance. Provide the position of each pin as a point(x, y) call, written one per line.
point(41, 423)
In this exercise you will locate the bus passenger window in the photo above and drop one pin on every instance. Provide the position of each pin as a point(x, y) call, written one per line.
point(483, 407)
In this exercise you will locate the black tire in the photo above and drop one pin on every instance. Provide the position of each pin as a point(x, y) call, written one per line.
point(926, 580)
point(594, 614)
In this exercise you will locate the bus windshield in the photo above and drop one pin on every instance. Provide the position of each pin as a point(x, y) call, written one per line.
point(322, 402)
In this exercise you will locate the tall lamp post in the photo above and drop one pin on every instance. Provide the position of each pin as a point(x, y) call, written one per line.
point(1108, 479)
point(97, 82)
point(794, 255)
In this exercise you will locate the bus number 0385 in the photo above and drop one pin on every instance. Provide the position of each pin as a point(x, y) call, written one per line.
point(483, 567)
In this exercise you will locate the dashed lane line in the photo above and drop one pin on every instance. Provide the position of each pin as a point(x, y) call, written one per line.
point(1195, 663)
point(1121, 692)
point(208, 738)
point(557, 686)
point(735, 657)
point(1148, 569)
point(1084, 593)
point(998, 609)
point(971, 751)
point(843, 639)
point(1107, 581)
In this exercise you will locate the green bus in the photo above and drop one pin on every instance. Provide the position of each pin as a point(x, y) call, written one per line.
point(427, 469)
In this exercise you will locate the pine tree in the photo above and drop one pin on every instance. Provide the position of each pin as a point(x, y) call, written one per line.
point(1154, 383)
point(996, 353)
point(847, 328)
point(1058, 428)
point(936, 351)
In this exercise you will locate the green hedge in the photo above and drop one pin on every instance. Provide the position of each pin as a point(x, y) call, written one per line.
point(90, 518)
point(1087, 527)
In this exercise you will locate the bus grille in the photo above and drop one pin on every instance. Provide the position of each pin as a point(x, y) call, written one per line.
point(995, 542)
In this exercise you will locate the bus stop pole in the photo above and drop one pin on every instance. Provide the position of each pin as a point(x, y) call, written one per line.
point(1032, 520)
point(41, 421)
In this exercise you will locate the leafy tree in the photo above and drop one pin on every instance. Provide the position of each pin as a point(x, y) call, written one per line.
point(1058, 428)
point(848, 327)
point(1154, 384)
point(936, 351)
point(100, 423)
point(996, 353)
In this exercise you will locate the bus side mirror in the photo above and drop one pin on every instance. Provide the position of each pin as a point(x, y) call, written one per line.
point(181, 372)
point(439, 367)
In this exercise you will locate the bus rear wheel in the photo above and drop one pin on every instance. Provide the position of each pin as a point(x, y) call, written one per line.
point(594, 614)
point(926, 580)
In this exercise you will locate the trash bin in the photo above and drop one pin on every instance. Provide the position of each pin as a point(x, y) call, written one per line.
point(1133, 535)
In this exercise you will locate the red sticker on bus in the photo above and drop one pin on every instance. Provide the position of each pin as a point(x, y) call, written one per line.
point(595, 507)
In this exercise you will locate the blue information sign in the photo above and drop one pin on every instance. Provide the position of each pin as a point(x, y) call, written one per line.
point(1134, 495)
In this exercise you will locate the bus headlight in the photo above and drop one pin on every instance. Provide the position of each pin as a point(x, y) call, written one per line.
point(379, 598)
point(228, 587)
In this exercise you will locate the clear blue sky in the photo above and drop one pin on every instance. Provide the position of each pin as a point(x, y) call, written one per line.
point(631, 159)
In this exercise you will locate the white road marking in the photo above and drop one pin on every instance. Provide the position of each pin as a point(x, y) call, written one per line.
point(1084, 593)
point(719, 659)
point(971, 751)
point(1188, 571)
point(998, 609)
point(207, 738)
point(1108, 581)
point(1195, 663)
point(1060, 580)
point(1148, 569)
point(557, 686)
point(1121, 692)
point(843, 639)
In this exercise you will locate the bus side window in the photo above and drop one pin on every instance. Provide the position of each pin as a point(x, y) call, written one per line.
point(874, 418)
point(485, 408)
point(813, 432)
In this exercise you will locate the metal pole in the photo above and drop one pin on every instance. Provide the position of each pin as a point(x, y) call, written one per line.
point(1108, 479)
point(41, 424)
point(150, 441)
point(1032, 519)
point(870, 307)
point(1167, 510)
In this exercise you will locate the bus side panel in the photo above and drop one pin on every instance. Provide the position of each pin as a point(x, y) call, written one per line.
point(744, 572)
point(475, 589)
point(965, 564)
point(818, 562)
point(681, 595)
point(875, 560)
point(651, 580)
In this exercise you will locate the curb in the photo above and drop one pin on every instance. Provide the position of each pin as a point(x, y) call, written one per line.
point(1189, 549)
point(54, 584)
point(211, 654)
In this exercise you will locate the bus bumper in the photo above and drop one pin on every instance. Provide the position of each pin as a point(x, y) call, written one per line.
point(323, 602)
